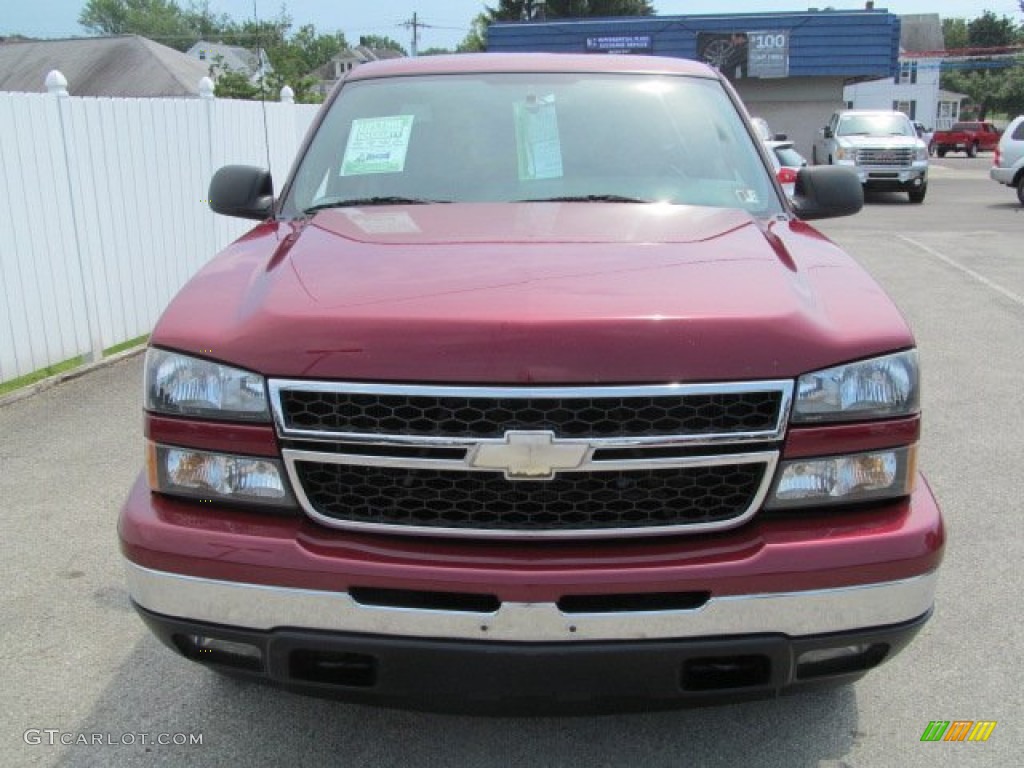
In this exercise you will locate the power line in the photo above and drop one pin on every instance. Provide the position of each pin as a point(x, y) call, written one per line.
point(415, 24)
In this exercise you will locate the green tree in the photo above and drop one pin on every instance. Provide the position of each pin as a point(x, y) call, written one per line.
point(476, 40)
point(293, 56)
point(1011, 94)
point(988, 31)
point(381, 42)
point(235, 85)
point(997, 88)
point(161, 20)
point(204, 24)
point(954, 33)
point(435, 51)
point(315, 50)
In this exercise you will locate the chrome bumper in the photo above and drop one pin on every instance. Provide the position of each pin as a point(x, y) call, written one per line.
point(261, 607)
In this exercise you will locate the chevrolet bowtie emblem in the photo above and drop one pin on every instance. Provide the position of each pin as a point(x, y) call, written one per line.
point(530, 455)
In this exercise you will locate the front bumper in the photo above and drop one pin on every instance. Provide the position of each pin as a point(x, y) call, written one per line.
point(305, 597)
point(535, 678)
point(423, 614)
point(892, 178)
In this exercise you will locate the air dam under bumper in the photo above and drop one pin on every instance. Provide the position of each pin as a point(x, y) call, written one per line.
point(883, 178)
point(478, 677)
point(533, 657)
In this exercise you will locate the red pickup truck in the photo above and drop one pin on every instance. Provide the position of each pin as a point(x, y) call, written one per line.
point(532, 390)
point(972, 137)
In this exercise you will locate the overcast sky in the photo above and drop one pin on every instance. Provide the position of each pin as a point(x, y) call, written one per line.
point(450, 19)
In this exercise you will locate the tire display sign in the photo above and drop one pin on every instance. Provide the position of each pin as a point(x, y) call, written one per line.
point(739, 54)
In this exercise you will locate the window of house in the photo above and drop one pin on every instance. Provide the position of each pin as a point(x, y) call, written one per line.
point(908, 108)
point(907, 74)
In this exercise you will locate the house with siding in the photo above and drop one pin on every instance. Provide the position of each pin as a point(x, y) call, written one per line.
point(250, 62)
point(328, 75)
point(914, 88)
point(789, 68)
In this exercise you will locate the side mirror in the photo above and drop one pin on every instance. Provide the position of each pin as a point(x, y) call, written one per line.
point(826, 132)
point(242, 191)
point(827, 191)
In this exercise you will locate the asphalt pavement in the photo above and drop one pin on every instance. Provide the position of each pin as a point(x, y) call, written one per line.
point(78, 666)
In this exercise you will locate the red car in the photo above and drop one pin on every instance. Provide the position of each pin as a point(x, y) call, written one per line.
point(532, 390)
point(969, 138)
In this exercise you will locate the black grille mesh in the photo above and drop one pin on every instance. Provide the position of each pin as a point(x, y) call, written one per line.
point(571, 501)
point(484, 417)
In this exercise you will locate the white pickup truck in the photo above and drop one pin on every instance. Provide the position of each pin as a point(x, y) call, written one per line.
point(882, 147)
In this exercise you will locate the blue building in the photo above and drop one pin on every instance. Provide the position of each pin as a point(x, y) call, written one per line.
point(789, 68)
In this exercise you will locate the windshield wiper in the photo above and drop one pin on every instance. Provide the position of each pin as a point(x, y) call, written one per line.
point(586, 199)
point(356, 202)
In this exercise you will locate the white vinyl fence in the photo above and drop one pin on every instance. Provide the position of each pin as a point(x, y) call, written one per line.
point(103, 212)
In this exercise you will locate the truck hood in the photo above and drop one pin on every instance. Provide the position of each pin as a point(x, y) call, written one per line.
point(894, 142)
point(533, 293)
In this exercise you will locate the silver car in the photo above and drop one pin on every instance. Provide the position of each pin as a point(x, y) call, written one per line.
point(1008, 165)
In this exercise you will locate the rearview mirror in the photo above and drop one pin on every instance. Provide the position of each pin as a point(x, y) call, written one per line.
point(827, 191)
point(243, 191)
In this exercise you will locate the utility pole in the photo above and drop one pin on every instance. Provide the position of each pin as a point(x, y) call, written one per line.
point(414, 24)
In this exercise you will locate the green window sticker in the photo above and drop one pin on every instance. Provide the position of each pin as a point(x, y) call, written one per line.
point(537, 142)
point(377, 145)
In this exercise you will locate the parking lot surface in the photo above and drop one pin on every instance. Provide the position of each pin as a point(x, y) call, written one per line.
point(78, 665)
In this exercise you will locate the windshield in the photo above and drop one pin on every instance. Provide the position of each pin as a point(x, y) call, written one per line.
point(895, 124)
point(532, 137)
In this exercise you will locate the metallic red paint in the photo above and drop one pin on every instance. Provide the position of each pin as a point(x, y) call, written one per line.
point(534, 293)
point(812, 550)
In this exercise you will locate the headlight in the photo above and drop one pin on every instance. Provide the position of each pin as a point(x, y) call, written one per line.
point(880, 388)
point(844, 479)
point(845, 155)
point(187, 386)
point(921, 152)
point(208, 476)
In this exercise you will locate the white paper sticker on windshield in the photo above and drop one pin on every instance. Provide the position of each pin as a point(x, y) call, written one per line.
point(537, 142)
point(377, 145)
point(747, 196)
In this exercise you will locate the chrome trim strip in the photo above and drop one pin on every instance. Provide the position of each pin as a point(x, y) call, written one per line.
point(782, 386)
point(768, 458)
point(262, 607)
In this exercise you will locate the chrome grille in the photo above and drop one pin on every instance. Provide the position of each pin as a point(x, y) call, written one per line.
point(571, 502)
point(885, 157)
point(530, 462)
point(480, 417)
